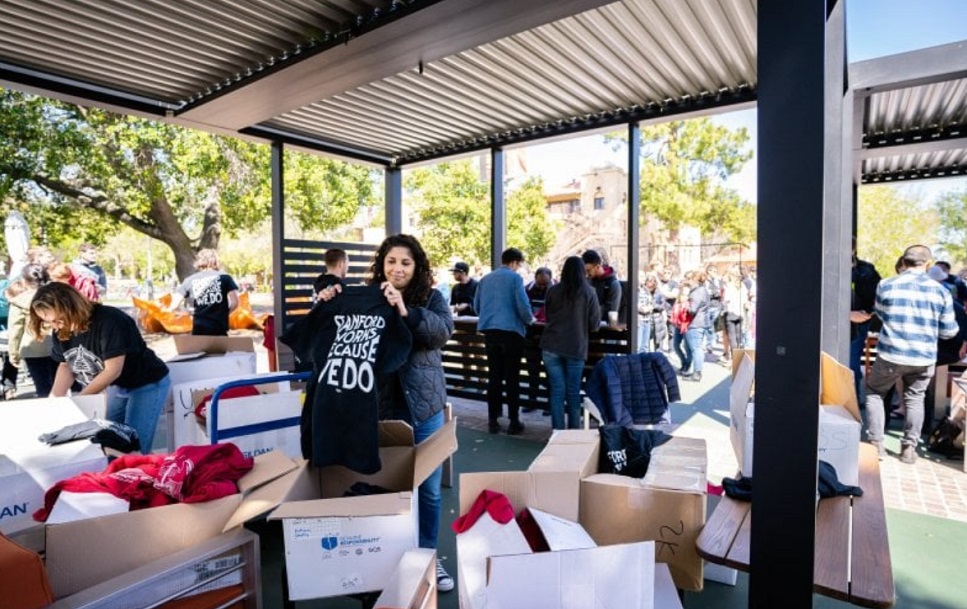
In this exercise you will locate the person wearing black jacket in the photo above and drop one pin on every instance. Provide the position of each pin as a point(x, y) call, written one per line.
point(572, 312)
point(863, 285)
point(606, 285)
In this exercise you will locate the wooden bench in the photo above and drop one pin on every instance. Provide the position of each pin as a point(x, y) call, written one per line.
point(852, 550)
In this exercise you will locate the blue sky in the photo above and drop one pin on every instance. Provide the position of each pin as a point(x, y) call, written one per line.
point(874, 28)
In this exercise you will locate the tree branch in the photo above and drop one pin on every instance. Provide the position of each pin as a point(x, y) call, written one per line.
point(78, 198)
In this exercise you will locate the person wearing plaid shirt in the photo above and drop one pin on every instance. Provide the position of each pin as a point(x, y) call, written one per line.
point(915, 311)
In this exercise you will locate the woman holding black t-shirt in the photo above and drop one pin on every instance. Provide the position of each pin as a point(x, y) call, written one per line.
point(100, 348)
point(417, 392)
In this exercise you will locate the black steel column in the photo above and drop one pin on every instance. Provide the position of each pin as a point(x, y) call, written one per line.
point(278, 235)
point(634, 239)
point(393, 200)
point(838, 217)
point(498, 207)
point(791, 91)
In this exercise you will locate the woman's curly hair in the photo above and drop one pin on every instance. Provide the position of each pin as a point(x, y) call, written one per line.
point(417, 293)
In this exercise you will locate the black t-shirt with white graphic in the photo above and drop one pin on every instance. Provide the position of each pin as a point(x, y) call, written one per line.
point(207, 292)
point(111, 333)
point(353, 341)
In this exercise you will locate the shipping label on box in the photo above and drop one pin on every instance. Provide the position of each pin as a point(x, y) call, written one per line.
point(346, 555)
point(839, 442)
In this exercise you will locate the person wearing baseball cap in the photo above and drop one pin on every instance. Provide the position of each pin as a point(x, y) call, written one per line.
point(465, 288)
point(915, 311)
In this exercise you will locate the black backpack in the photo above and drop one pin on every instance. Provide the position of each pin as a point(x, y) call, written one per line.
point(943, 438)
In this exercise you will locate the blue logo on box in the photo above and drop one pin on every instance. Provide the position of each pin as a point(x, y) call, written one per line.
point(330, 543)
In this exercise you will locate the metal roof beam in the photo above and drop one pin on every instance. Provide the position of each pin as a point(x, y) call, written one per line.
point(913, 69)
point(439, 30)
point(910, 175)
point(339, 150)
point(919, 142)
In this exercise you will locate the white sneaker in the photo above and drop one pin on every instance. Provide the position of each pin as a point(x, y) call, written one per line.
point(444, 583)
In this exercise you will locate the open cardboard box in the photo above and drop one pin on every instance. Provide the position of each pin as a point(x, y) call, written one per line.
point(667, 506)
point(336, 545)
point(839, 418)
point(272, 417)
point(496, 568)
point(413, 584)
point(86, 552)
point(28, 467)
point(570, 456)
point(618, 509)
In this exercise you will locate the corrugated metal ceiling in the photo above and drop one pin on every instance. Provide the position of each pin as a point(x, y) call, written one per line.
point(174, 52)
point(618, 58)
point(934, 114)
point(628, 60)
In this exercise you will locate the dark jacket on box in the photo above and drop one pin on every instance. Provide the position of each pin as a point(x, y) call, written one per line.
point(634, 389)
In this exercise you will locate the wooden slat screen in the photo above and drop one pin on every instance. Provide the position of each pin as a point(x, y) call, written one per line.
point(302, 262)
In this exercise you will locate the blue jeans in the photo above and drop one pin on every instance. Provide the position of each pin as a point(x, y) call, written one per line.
point(856, 346)
point(693, 347)
point(428, 496)
point(644, 335)
point(564, 377)
point(684, 356)
point(139, 408)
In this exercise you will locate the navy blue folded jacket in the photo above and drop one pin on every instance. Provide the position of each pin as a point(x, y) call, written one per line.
point(634, 389)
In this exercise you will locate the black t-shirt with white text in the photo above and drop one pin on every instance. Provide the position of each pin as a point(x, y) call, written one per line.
point(207, 292)
point(110, 333)
point(353, 341)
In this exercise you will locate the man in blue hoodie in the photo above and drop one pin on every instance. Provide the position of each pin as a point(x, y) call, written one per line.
point(503, 316)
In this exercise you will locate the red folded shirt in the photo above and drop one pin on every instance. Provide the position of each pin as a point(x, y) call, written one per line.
point(190, 475)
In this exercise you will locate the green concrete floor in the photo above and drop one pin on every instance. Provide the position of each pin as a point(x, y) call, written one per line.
point(927, 552)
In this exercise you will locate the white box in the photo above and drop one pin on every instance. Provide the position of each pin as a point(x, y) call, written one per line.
point(28, 467)
point(343, 554)
point(276, 404)
point(200, 366)
point(839, 442)
point(336, 545)
point(839, 431)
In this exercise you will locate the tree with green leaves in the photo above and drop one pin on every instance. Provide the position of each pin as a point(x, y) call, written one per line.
point(684, 167)
point(78, 172)
point(889, 222)
point(952, 213)
point(453, 208)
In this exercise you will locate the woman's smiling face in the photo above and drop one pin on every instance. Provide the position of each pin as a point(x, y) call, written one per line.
point(399, 267)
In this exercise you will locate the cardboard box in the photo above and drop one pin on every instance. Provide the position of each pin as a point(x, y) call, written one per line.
point(82, 553)
point(839, 418)
point(569, 457)
point(208, 357)
point(667, 506)
point(272, 418)
point(742, 413)
point(413, 584)
point(496, 568)
point(337, 545)
point(28, 467)
point(839, 442)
